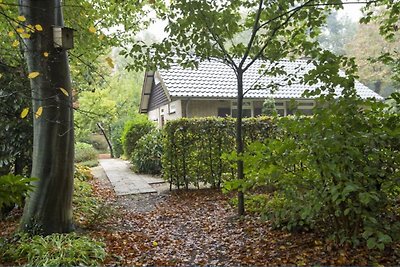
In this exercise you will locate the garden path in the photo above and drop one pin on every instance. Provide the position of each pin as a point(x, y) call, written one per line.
point(125, 181)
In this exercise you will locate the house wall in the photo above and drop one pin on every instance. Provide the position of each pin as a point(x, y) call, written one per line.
point(167, 112)
point(207, 108)
point(204, 108)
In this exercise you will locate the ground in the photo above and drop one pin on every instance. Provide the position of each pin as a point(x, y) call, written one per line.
point(200, 227)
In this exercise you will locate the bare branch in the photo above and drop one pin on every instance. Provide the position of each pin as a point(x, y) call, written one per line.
point(253, 34)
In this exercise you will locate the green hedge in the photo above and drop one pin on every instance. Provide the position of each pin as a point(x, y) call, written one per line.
point(133, 131)
point(193, 148)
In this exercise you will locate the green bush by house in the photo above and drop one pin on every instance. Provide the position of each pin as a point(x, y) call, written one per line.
point(133, 131)
point(146, 158)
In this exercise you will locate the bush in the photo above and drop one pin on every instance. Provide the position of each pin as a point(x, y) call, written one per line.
point(146, 158)
point(98, 141)
point(84, 152)
point(54, 250)
point(13, 189)
point(133, 131)
point(89, 211)
point(342, 165)
point(193, 148)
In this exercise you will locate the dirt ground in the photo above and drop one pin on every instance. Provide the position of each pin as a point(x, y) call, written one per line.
point(200, 227)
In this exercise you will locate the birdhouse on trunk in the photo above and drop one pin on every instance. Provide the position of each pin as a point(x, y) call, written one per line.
point(63, 37)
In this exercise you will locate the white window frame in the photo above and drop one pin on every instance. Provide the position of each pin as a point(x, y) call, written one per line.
point(172, 107)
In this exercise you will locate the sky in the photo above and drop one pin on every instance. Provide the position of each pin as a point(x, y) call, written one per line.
point(350, 10)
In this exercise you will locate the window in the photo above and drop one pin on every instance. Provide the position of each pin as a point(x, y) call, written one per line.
point(247, 109)
point(304, 107)
point(172, 108)
point(224, 112)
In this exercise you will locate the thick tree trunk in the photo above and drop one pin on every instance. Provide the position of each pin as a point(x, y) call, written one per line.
point(49, 208)
point(239, 140)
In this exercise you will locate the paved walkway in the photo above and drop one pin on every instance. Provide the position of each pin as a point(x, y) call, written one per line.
point(125, 181)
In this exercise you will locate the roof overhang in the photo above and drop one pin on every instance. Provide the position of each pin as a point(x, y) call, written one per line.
point(146, 91)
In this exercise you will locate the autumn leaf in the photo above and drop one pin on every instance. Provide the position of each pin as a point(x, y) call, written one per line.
point(24, 113)
point(38, 27)
point(65, 92)
point(20, 30)
point(155, 244)
point(11, 34)
point(30, 28)
point(39, 112)
point(25, 35)
point(21, 18)
point(110, 62)
point(33, 75)
point(92, 29)
point(15, 43)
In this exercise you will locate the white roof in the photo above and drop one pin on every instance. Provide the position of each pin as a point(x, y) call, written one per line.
point(214, 79)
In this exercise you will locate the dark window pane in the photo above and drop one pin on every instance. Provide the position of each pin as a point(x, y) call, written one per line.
point(224, 112)
point(281, 112)
point(257, 112)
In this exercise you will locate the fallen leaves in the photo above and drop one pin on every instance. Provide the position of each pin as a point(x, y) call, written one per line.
point(199, 227)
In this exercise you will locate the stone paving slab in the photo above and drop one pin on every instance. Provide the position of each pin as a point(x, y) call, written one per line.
point(124, 181)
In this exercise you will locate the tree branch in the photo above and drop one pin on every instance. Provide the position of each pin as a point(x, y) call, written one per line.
point(253, 34)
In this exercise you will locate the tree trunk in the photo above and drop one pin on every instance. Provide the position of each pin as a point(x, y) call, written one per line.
point(239, 140)
point(49, 208)
point(107, 140)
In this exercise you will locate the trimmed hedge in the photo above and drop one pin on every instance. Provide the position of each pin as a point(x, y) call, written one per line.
point(193, 148)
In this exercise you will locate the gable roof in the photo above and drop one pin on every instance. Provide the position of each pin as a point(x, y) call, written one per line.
point(215, 80)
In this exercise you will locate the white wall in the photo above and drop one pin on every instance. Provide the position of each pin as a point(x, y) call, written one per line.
point(166, 112)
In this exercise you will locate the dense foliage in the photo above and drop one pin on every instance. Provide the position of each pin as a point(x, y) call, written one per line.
point(193, 148)
point(146, 158)
point(84, 152)
point(16, 133)
point(53, 250)
point(342, 165)
point(13, 189)
point(89, 210)
point(133, 131)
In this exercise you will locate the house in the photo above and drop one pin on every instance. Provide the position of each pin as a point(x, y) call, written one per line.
point(211, 90)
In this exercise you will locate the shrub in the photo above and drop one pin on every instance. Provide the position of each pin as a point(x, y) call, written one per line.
point(193, 148)
point(13, 189)
point(89, 211)
point(84, 152)
point(54, 250)
point(338, 169)
point(82, 173)
point(133, 131)
point(146, 158)
point(98, 141)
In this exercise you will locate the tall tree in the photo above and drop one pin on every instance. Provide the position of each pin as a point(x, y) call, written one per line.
point(366, 47)
point(337, 32)
point(269, 30)
point(47, 211)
